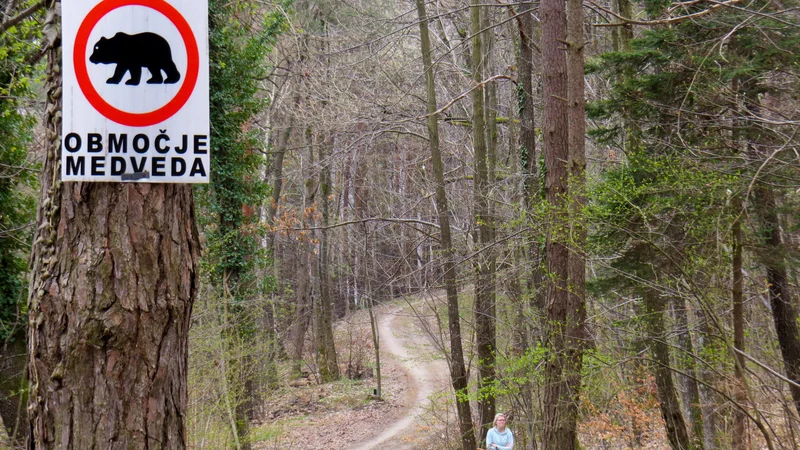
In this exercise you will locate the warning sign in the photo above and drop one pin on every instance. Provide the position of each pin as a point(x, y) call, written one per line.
point(135, 91)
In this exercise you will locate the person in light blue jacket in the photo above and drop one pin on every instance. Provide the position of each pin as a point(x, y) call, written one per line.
point(499, 437)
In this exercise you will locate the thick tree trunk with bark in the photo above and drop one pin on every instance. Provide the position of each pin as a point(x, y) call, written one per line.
point(458, 372)
point(560, 394)
point(109, 315)
point(529, 158)
point(113, 280)
point(654, 307)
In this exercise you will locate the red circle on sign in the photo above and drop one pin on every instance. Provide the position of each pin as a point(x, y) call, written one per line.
point(94, 98)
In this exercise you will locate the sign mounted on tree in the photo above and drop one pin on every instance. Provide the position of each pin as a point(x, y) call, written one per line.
point(135, 91)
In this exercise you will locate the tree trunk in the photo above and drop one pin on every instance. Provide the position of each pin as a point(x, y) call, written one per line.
point(527, 150)
point(484, 292)
point(377, 343)
point(304, 304)
point(348, 259)
point(277, 168)
point(784, 312)
point(274, 344)
point(626, 31)
point(458, 372)
point(527, 134)
point(691, 391)
point(560, 400)
point(113, 280)
point(654, 307)
point(12, 388)
point(326, 350)
point(576, 312)
point(739, 437)
point(238, 387)
point(708, 396)
point(302, 315)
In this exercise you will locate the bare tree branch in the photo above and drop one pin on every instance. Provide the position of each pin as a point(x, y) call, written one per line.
point(21, 16)
point(669, 20)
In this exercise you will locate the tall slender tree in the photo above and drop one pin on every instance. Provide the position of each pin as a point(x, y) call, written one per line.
point(484, 267)
point(458, 371)
point(326, 350)
point(739, 437)
point(237, 49)
point(654, 310)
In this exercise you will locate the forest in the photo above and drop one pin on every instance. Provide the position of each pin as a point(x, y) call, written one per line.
point(583, 214)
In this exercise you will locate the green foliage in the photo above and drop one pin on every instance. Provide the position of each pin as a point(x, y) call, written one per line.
point(17, 173)
point(674, 104)
point(676, 82)
point(241, 34)
point(232, 200)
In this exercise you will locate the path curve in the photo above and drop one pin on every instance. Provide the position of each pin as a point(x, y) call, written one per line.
point(424, 374)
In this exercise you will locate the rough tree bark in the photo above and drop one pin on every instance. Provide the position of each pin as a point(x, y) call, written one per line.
point(528, 169)
point(560, 398)
point(458, 372)
point(113, 280)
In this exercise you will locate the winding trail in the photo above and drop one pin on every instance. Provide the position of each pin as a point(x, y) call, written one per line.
point(402, 340)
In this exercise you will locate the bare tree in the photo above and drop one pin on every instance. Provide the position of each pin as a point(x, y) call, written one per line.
point(675, 425)
point(326, 350)
point(484, 264)
point(458, 373)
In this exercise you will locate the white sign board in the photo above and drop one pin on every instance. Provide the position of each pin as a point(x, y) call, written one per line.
point(135, 91)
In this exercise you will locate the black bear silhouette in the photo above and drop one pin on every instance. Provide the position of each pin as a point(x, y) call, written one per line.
point(132, 52)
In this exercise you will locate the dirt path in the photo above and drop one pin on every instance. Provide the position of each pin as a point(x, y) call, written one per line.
point(404, 341)
point(336, 415)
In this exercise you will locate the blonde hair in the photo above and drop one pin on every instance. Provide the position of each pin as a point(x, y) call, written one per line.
point(497, 416)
